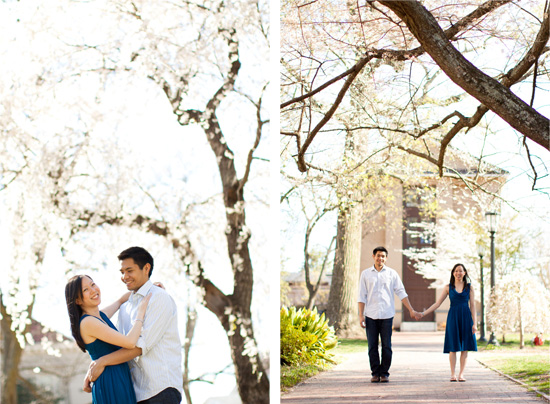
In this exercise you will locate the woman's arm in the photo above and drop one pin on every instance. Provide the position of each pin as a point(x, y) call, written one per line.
point(434, 306)
point(113, 307)
point(473, 309)
point(93, 327)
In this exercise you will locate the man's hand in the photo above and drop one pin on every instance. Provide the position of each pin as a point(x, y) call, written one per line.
point(87, 387)
point(95, 370)
point(362, 321)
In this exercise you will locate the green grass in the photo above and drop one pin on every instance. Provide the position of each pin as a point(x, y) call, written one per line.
point(511, 343)
point(349, 346)
point(292, 375)
point(532, 369)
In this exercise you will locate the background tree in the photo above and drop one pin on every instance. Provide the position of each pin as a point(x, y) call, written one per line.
point(520, 305)
point(311, 202)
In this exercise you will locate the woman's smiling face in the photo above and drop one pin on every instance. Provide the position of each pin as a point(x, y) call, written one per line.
point(459, 273)
point(91, 294)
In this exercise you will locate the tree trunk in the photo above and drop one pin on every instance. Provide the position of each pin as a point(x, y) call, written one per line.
point(342, 301)
point(233, 311)
point(189, 333)
point(521, 337)
point(11, 356)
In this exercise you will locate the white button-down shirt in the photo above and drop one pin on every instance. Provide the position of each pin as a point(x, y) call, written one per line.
point(159, 365)
point(376, 290)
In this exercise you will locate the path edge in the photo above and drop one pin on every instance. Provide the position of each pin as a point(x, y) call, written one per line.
point(544, 396)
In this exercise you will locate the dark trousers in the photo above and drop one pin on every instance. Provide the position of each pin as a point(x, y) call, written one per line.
point(382, 328)
point(166, 396)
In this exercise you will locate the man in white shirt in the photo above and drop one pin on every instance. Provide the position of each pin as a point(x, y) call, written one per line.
point(377, 309)
point(155, 362)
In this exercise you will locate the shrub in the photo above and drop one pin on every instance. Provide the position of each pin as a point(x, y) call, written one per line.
point(305, 337)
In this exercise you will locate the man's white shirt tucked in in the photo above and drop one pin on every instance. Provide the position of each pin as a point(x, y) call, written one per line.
point(159, 366)
point(376, 290)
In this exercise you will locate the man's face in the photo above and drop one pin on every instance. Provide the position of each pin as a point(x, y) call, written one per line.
point(132, 276)
point(379, 259)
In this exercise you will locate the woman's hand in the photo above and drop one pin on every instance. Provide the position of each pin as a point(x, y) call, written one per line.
point(142, 307)
point(160, 285)
point(474, 329)
point(124, 298)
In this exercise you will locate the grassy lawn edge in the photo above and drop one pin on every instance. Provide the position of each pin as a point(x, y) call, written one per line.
point(293, 375)
point(517, 379)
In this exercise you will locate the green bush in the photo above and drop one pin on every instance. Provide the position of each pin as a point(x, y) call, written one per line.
point(305, 337)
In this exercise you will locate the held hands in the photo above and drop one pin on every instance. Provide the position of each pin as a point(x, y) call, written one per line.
point(416, 315)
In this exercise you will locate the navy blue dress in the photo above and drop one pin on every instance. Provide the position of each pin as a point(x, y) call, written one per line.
point(114, 386)
point(458, 332)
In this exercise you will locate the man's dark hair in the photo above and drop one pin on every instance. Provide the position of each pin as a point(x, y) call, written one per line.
point(140, 256)
point(382, 249)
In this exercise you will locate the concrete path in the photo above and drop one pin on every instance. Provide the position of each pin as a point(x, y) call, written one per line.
point(419, 373)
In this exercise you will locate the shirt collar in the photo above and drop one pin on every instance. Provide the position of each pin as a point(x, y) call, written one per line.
point(374, 269)
point(144, 289)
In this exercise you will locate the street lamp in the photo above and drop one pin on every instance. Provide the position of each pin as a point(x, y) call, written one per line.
point(481, 253)
point(492, 222)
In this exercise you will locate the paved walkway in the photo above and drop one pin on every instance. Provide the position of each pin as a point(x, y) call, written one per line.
point(420, 373)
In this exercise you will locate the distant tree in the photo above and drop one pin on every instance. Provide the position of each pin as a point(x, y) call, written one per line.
point(521, 305)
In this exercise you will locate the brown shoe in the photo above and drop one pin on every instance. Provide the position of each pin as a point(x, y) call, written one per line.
point(384, 379)
point(375, 379)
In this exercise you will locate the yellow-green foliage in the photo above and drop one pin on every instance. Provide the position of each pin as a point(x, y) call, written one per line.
point(305, 337)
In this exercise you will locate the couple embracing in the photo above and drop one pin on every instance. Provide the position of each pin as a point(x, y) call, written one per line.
point(140, 361)
point(377, 309)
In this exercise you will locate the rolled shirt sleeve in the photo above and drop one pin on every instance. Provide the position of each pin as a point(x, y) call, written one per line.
point(398, 287)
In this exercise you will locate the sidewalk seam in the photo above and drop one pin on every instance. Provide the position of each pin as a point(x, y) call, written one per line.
point(547, 398)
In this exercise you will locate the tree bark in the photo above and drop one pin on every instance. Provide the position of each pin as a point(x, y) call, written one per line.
point(485, 89)
point(189, 333)
point(11, 356)
point(233, 311)
point(342, 301)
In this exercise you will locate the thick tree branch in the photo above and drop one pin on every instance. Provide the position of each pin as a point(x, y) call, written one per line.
point(487, 90)
point(451, 33)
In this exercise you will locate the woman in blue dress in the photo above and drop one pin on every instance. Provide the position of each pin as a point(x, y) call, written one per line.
point(460, 331)
point(95, 333)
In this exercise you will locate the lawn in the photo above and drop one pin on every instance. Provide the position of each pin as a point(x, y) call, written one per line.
point(511, 342)
point(530, 365)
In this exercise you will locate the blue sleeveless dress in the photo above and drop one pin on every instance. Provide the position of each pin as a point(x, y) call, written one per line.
point(114, 386)
point(458, 332)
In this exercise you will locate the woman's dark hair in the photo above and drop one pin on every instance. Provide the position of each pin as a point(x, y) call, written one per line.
point(140, 256)
point(73, 291)
point(467, 279)
point(381, 249)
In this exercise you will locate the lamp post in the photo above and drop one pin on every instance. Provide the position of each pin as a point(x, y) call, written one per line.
point(481, 253)
point(492, 221)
